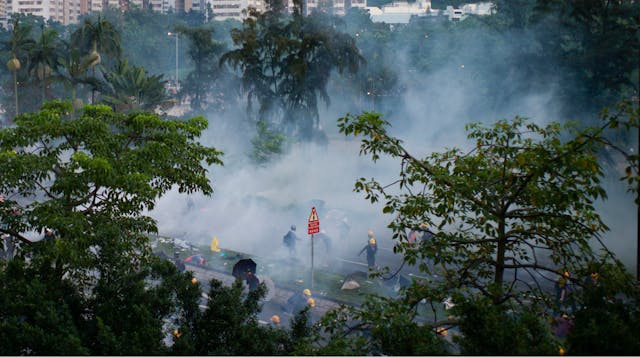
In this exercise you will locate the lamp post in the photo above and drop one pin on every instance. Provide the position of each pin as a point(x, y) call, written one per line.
point(176, 79)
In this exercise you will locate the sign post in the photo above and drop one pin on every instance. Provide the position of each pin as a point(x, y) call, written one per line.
point(313, 227)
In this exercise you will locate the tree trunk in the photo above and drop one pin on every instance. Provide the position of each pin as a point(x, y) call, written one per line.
point(499, 277)
point(15, 90)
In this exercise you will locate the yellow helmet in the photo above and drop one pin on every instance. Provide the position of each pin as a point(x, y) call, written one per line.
point(306, 292)
point(370, 233)
point(423, 225)
point(311, 302)
point(372, 241)
point(275, 319)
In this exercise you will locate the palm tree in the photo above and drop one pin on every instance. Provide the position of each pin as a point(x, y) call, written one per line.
point(131, 88)
point(18, 44)
point(98, 36)
point(72, 71)
point(44, 56)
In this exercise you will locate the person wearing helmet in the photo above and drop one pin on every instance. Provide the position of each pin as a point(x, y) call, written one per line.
point(275, 320)
point(426, 233)
point(290, 239)
point(298, 301)
point(371, 248)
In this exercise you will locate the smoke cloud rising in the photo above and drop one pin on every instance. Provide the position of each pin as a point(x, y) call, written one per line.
point(253, 207)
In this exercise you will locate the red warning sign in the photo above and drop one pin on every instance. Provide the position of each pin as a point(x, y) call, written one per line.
point(314, 222)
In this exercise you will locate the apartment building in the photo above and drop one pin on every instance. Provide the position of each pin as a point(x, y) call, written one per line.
point(3, 13)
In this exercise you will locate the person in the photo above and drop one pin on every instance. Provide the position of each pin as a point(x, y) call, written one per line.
point(48, 234)
point(275, 320)
point(371, 248)
point(563, 288)
point(426, 233)
point(178, 262)
point(290, 240)
point(252, 281)
point(592, 279)
point(298, 301)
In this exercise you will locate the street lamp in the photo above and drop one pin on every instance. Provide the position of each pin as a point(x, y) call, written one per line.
point(176, 79)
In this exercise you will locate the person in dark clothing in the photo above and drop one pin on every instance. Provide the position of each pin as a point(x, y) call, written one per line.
point(371, 248)
point(290, 239)
point(252, 281)
point(298, 301)
point(178, 262)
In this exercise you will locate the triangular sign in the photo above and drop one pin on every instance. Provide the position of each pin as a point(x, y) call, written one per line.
point(314, 215)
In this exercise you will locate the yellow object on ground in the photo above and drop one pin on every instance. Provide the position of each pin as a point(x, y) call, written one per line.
point(214, 245)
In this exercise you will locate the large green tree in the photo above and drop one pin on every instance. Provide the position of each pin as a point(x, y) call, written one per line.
point(508, 214)
point(90, 178)
point(285, 65)
point(208, 85)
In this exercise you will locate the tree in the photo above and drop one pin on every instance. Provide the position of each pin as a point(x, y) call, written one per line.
point(285, 65)
point(72, 72)
point(266, 144)
point(131, 88)
point(97, 38)
point(44, 57)
point(516, 208)
point(597, 44)
point(381, 326)
point(610, 315)
point(90, 178)
point(18, 44)
point(488, 329)
point(207, 82)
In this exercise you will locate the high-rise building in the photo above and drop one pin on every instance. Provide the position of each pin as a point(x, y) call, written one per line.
point(3, 13)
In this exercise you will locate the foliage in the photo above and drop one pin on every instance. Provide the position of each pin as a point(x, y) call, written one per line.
point(43, 57)
point(131, 88)
point(519, 203)
point(18, 45)
point(208, 85)
point(90, 178)
point(383, 326)
point(622, 121)
point(99, 169)
point(267, 144)
point(487, 329)
point(229, 326)
point(597, 44)
point(609, 320)
point(38, 312)
point(285, 65)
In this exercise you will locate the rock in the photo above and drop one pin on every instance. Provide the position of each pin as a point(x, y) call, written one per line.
point(350, 285)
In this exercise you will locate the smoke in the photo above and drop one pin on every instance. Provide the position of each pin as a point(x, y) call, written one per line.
point(252, 207)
